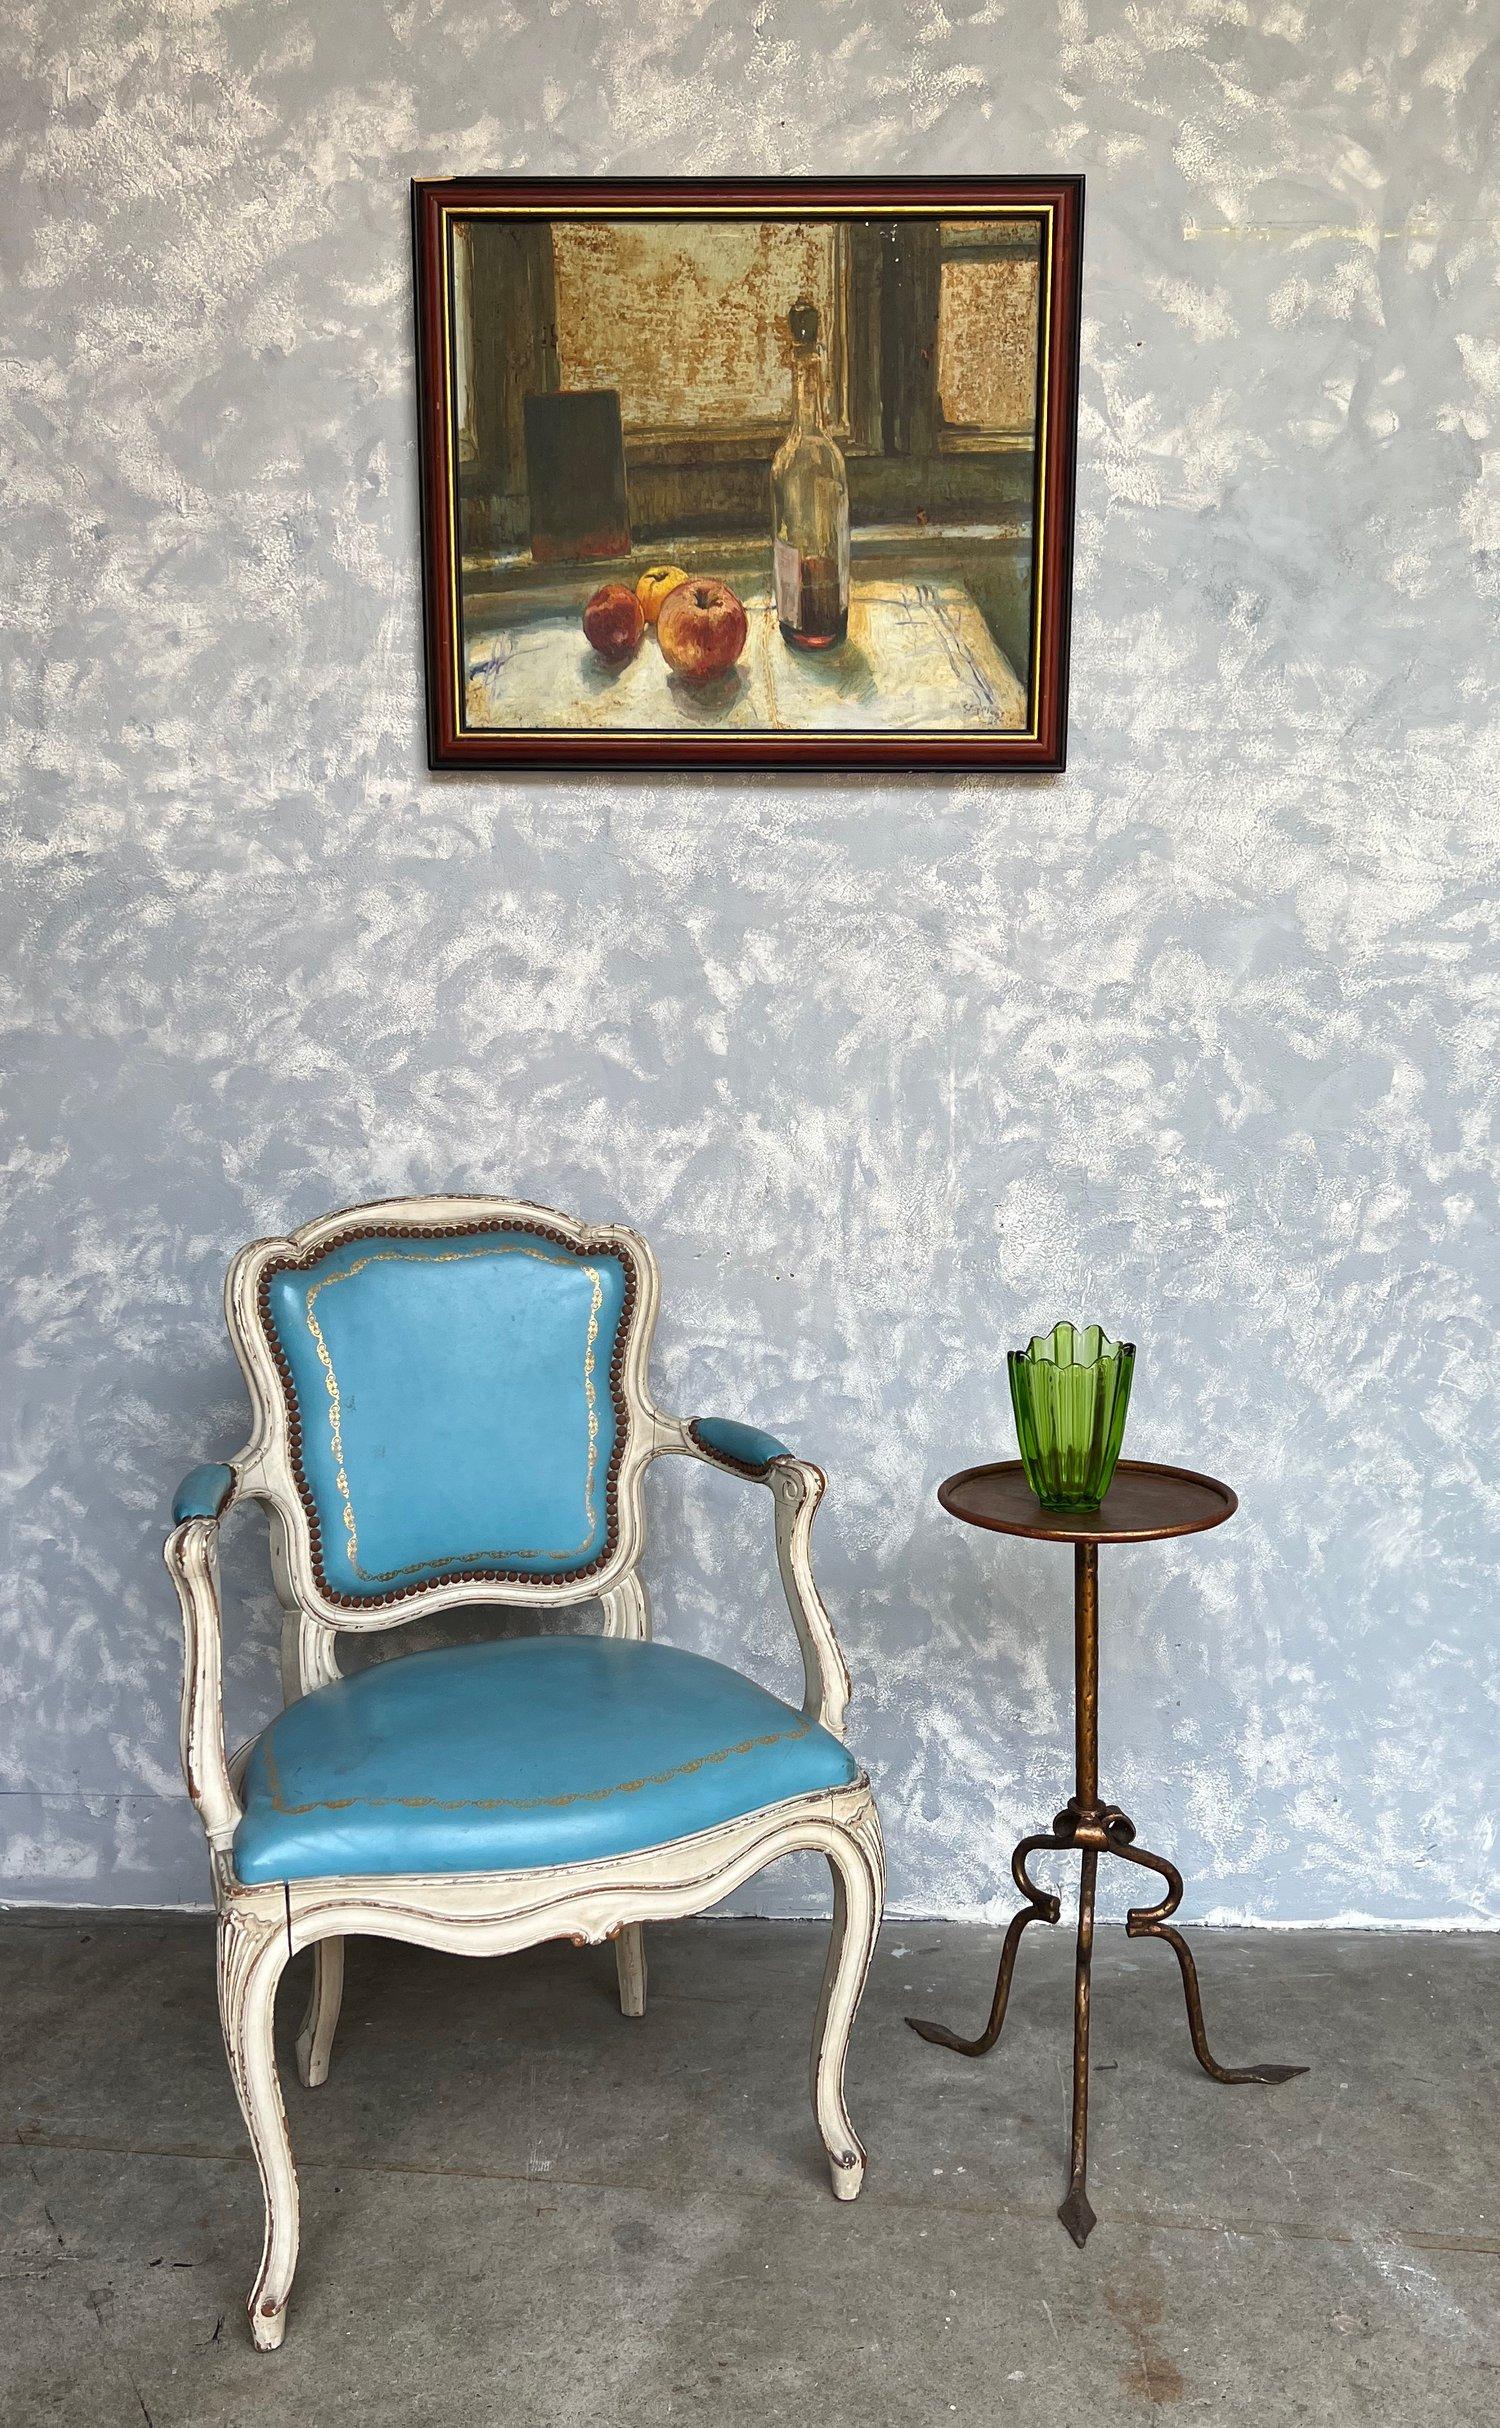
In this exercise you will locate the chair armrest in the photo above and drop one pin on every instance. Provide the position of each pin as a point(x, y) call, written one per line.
point(796, 1487)
point(205, 1492)
point(744, 1449)
point(192, 1556)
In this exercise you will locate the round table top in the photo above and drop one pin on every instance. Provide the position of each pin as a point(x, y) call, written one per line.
point(1144, 1504)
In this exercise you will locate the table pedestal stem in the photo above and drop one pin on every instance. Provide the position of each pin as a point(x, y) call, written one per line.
point(1090, 1829)
point(1086, 1673)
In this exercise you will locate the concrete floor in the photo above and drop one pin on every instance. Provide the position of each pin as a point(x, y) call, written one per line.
point(519, 2208)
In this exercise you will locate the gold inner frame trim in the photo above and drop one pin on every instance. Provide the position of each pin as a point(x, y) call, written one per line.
point(528, 1804)
point(456, 1559)
point(1042, 211)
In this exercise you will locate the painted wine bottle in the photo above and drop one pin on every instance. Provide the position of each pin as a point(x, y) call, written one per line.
point(810, 504)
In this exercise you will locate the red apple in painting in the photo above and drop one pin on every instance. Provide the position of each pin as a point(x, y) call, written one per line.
point(613, 621)
point(701, 628)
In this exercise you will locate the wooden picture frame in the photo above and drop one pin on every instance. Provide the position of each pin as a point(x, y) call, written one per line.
point(959, 496)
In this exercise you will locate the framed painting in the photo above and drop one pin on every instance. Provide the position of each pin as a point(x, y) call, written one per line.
point(770, 473)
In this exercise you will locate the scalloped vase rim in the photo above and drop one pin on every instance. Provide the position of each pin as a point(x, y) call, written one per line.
point(1039, 1349)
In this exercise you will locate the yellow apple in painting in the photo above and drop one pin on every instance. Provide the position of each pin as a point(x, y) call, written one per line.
point(655, 584)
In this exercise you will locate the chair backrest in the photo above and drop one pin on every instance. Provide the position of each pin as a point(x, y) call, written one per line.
point(451, 1403)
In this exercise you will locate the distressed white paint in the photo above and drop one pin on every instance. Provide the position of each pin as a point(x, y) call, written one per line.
point(1197, 1040)
point(471, 1913)
point(498, 1913)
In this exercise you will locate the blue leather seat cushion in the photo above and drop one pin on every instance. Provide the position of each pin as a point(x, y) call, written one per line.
point(507, 1756)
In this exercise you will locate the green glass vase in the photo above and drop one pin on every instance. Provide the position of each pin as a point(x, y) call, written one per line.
point(1070, 1390)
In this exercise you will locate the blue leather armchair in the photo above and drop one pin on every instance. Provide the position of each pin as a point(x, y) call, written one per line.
point(451, 1405)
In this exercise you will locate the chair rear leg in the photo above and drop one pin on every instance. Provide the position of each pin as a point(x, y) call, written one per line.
point(315, 2039)
point(630, 1965)
point(252, 1952)
point(856, 1860)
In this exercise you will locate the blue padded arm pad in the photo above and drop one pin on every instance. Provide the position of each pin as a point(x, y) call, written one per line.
point(203, 1493)
point(743, 1447)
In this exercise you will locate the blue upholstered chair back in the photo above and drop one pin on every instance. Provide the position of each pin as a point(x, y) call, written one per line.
point(454, 1404)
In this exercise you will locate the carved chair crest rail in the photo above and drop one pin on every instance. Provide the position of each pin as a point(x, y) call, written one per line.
point(450, 1404)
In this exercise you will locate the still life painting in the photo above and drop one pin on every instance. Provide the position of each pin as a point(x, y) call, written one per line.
point(776, 473)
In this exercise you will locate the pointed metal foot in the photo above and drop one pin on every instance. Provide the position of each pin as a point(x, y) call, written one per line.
point(1077, 2215)
point(1262, 2073)
point(942, 2038)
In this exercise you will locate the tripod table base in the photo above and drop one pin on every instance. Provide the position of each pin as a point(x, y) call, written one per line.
point(1145, 1503)
point(1092, 1830)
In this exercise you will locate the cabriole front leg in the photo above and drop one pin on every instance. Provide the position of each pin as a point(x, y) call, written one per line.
point(856, 1858)
point(252, 1953)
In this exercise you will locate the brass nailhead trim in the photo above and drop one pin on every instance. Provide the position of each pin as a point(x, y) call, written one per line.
point(724, 1458)
point(450, 1230)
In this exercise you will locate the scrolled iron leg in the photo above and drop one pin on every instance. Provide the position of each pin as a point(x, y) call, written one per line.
point(1041, 1906)
point(1151, 1922)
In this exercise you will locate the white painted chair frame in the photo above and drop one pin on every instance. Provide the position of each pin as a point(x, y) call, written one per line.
point(489, 1914)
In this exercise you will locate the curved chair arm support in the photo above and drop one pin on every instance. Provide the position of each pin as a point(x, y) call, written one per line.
point(192, 1556)
point(796, 1488)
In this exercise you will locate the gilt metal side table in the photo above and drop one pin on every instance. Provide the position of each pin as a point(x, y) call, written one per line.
point(1145, 1504)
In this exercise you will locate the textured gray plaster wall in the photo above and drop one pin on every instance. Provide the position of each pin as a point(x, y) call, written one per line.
point(1197, 1039)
